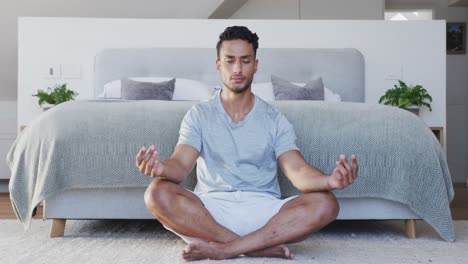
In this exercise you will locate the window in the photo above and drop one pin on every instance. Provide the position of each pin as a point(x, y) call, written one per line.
point(403, 15)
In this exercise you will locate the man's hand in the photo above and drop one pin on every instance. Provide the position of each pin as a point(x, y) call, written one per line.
point(344, 174)
point(148, 162)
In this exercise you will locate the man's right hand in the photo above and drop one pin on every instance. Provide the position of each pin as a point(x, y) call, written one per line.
point(148, 162)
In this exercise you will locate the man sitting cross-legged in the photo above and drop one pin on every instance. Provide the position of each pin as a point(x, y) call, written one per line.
point(237, 141)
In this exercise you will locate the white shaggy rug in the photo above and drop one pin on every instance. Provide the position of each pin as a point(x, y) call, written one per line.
point(130, 241)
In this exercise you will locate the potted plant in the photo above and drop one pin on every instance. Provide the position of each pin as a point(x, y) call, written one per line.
point(407, 97)
point(54, 96)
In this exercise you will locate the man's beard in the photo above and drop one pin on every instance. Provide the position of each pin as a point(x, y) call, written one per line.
point(238, 90)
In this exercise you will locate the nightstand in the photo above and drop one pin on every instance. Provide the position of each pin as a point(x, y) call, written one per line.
point(439, 133)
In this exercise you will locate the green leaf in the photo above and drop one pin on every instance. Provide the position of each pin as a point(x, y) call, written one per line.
point(403, 95)
point(57, 95)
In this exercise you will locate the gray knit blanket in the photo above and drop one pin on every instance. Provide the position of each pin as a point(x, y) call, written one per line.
point(92, 144)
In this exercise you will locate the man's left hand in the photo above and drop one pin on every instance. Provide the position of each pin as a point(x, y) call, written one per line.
point(344, 174)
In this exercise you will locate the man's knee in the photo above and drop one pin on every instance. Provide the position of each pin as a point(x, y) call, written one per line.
point(325, 206)
point(331, 203)
point(158, 195)
point(329, 207)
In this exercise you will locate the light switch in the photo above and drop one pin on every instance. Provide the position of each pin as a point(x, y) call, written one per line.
point(52, 71)
point(71, 71)
point(393, 73)
point(393, 76)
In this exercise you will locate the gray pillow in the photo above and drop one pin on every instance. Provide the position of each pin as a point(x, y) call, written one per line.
point(284, 90)
point(134, 90)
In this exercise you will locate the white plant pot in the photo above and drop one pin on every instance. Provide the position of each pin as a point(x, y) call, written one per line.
point(46, 107)
point(413, 109)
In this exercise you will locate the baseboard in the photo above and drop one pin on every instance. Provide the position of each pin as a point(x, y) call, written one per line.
point(4, 186)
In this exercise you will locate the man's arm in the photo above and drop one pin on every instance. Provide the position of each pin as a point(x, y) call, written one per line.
point(174, 169)
point(307, 178)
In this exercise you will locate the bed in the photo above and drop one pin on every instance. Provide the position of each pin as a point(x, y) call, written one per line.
point(83, 156)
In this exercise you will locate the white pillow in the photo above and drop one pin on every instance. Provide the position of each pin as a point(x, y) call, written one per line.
point(265, 92)
point(185, 89)
point(111, 90)
point(330, 96)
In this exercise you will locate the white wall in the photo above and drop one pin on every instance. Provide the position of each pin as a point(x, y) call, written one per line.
point(311, 9)
point(44, 41)
point(8, 121)
point(457, 86)
point(11, 10)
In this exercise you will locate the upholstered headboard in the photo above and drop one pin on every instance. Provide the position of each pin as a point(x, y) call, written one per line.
point(342, 70)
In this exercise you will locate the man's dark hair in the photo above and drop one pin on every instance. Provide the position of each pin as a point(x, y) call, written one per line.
point(238, 32)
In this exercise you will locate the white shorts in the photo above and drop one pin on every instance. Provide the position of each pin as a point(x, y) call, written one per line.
point(241, 212)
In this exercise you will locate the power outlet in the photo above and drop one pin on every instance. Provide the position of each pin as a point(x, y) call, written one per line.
point(52, 71)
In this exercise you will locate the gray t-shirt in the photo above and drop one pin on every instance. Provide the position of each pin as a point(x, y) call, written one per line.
point(237, 157)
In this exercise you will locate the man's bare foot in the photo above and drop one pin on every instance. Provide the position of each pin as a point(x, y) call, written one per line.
point(205, 250)
point(280, 251)
point(210, 250)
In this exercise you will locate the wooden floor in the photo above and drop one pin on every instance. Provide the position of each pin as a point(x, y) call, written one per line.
point(6, 211)
point(459, 205)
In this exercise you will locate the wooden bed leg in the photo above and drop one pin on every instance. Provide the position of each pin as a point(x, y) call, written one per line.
point(410, 225)
point(57, 229)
